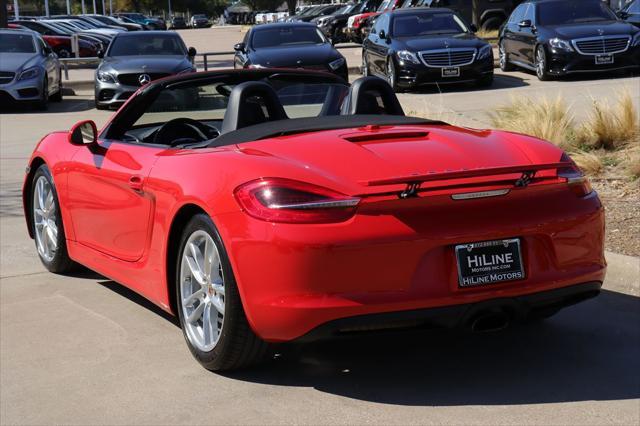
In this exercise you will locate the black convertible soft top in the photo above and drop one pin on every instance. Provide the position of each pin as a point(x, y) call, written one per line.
point(290, 126)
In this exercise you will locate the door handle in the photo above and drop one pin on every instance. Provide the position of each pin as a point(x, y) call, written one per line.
point(135, 182)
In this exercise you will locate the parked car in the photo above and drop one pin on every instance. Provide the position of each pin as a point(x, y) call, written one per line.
point(99, 42)
point(358, 25)
point(29, 69)
point(335, 26)
point(560, 37)
point(414, 47)
point(253, 227)
point(487, 15)
point(631, 13)
point(316, 12)
point(134, 60)
point(61, 44)
point(289, 45)
point(199, 21)
point(83, 25)
point(177, 23)
point(92, 22)
point(110, 20)
point(139, 18)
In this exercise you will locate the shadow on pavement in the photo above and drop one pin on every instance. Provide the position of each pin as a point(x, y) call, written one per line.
point(67, 105)
point(586, 352)
point(500, 81)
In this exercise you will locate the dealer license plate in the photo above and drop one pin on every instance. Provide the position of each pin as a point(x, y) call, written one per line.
point(604, 59)
point(489, 262)
point(451, 72)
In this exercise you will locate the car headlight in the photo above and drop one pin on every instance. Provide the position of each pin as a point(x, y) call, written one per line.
point(485, 52)
point(106, 77)
point(636, 40)
point(29, 73)
point(334, 65)
point(406, 56)
point(558, 43)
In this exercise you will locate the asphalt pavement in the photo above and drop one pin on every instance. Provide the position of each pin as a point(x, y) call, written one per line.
point(85, 350)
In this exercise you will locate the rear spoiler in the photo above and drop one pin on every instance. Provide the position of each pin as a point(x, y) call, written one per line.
point(413, 182)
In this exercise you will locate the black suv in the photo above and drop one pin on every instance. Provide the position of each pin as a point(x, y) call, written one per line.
point(413, 47)
point(560, 37)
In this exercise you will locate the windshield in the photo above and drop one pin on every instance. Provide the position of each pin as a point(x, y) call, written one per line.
point(150, 45)
point(422, 24)
point(573, 12)
point(285, 36)
point(17, 43)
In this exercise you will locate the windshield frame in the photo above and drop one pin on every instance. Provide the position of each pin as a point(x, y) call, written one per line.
point(454, 16)
point(552, 6)
point(118, 39)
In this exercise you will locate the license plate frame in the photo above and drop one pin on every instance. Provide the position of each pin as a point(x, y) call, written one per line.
point(450, 72)
point(606, 59)
point(493, 262)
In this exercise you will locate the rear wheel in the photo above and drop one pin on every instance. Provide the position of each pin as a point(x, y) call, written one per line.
point(491, 24)
point(209, 307)
point(47, 227)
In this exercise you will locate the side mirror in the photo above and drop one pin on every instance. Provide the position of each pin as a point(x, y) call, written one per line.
point(100, 54)
point(622, 15)
point(382, 34)
point(83, 133)
point(473, 28)
point(525, 24)
point(239, 47)
point(192, 52)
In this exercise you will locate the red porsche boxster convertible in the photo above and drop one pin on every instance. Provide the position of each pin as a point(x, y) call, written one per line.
point(270, 205)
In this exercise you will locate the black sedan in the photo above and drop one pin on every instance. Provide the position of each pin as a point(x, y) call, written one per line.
point(289, 45)
point(560, 37)
point(413, 47)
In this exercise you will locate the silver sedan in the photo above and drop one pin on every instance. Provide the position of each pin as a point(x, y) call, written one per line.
point(29, 70)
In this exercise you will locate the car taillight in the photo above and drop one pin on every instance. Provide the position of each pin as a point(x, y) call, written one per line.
point(578, 182)
point(290, 201)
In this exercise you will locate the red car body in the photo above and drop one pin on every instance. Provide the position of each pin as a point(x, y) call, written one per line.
point(61, 45)
point(120, 202)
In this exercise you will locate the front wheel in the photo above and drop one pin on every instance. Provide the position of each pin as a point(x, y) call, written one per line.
point(503, 58)
point(41, 104)
point(542, 66)
point(47, 227)
point(392, 78)
point(365, 65)
point(209, 307)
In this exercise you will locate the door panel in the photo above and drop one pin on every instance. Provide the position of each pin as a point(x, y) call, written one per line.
point(110, 210)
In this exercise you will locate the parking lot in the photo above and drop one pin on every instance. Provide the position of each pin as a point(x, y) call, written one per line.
point(85, 350)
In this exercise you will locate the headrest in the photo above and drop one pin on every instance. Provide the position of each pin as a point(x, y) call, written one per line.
point(371, 95)
point(251, 102)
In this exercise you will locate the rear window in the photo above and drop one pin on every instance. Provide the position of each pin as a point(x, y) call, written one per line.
point(17, 43)
point(573, 12)
point(287, 36)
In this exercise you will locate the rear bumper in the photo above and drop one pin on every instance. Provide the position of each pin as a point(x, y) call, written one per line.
point(399, 256)
point(516, 308)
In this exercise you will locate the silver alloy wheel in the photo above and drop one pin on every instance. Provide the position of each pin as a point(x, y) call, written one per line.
point(202, 291)
point(540, 62)
point(502, 56)
point(44, 219)
point(365, 66)
point(391, 73)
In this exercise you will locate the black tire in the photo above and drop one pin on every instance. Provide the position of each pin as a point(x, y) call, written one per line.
point(60, 263)
point(57, 97)
point(392, 77)
point(100, 106)
point(503, 58)
point(541, 64)
point(485, 81)
point(491, 24)
point(238, 346)
point(365, 65)
point(44, 99)
point(63, 52)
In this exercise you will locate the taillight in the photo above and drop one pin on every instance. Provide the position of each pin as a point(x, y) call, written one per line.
point(290, 201)
point(578, 182)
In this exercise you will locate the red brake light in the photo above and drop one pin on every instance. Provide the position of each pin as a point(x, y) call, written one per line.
point(290, 201)
point(578, 182)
